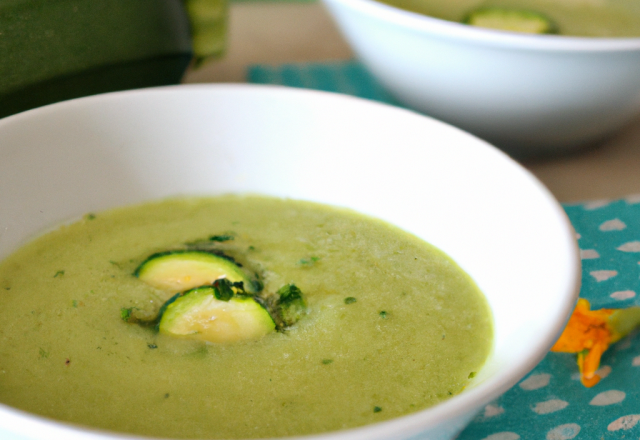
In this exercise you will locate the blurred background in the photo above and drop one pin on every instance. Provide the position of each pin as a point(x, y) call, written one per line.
point(211, 41)
point(279, 32)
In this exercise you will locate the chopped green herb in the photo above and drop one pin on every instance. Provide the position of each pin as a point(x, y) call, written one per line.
point(377, 409)
point(450, 393)
point(384, 315)
point(114, 263)
point(221, 238)
point(327, 361)
point(472, 375)
point(59, 273)
point(222, 289)
point(90, 216)
point(308, 262)
point(44, 354)
point(290, 306)
point(152, 346)
point(125, 313)
point(350, 300)
point(166, 396)
point(74, 303)
point(7, 288)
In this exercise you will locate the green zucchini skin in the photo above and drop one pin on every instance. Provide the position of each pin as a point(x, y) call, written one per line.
point(54, 50)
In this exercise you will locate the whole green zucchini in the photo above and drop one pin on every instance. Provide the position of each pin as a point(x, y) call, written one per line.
point(53, 50)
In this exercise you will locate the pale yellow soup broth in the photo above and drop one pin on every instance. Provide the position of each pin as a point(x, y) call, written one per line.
point(585, 18)
point(418, 330)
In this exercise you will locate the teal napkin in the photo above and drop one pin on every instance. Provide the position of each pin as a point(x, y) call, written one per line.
point(348, 77)
point(550, 403)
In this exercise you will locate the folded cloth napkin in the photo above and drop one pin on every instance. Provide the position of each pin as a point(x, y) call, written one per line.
point(550, 403)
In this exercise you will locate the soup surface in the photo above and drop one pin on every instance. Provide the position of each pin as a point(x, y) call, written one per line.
point(588, 18)
point(393, 324)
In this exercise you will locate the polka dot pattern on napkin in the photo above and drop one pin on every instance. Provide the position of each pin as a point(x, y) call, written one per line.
point(551, 403)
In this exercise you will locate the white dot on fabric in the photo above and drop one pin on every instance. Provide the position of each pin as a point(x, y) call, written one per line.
point(589, 254)
point(503, 436)
point(603, 275)
point(623, 345)
point(596, 204)
point(549, 406)
point(608, 398)
point(631, 246)
point(636, 361)
point(612, 225)
point(564, 432)
point(624, 422)
point(535, 382)
point(603, 371)
point(578, 236)
point(493, 410)
point(633, 199)
point(623, 294)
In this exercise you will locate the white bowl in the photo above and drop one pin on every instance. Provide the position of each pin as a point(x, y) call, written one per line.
point(446, 186)
point(528, 94)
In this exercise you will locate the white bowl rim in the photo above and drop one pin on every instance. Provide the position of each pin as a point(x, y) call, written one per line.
point(411, 424)
point(476, 35)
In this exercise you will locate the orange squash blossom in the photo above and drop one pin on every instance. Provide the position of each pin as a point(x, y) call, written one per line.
point(588, 333)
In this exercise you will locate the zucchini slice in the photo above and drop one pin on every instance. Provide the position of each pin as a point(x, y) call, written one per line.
point(200, 314)
point(178, 271)
point(513, 20)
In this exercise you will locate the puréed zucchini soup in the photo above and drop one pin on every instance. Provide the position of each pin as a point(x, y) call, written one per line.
point(235, 317)
point(586, 18)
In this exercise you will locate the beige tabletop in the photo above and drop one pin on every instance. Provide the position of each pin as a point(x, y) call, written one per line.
point(283, 32)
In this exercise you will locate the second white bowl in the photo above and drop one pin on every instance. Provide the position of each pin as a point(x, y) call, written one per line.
point(528, 94)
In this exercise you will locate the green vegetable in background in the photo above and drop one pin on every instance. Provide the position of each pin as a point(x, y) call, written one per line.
point(53, 50)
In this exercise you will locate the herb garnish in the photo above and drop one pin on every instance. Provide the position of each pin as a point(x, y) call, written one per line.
point(221, 238)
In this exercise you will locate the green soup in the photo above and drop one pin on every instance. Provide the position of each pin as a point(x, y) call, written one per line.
point(393, 324)
point(589, 18)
